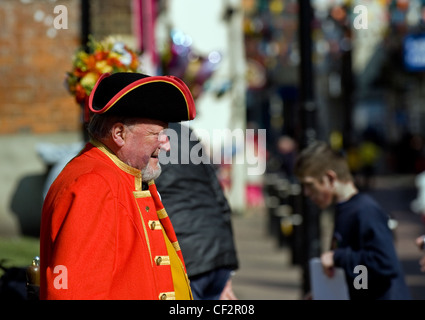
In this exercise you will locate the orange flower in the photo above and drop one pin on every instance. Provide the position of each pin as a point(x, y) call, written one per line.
point(79, 73)
point(101, 55)
point(80, 93)
point(113, 61)
point(90, 62)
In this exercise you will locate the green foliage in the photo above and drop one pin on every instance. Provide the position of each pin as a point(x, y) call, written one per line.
point(18, 252)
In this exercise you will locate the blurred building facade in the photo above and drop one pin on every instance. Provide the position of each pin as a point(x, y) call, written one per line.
point(34, 57)
point(363, 86)
point(362, 82)
point(36, 53)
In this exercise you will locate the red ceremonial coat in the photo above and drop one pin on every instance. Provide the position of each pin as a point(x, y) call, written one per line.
point(103, 237)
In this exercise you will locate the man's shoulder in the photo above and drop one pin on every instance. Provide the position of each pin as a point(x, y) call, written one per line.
point(88, 167)
point(92, 159)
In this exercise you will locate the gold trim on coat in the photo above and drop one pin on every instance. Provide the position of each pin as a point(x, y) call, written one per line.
point(120, 164)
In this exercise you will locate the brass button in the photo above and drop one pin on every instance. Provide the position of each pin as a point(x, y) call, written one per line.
point(158, 260)
point(147, 209)
point(163, 296)
point(153, 223)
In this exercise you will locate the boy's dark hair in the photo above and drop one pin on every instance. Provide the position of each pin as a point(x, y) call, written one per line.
point(319, 157)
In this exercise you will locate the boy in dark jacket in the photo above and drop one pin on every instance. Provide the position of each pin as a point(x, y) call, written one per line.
point(362, 241)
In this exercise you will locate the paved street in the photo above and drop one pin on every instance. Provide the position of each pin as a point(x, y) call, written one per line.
point(265, 272)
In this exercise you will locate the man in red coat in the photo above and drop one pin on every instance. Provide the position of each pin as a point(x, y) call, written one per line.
point(104, 231)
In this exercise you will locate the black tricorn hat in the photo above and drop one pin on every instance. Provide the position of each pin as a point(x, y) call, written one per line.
point(165, 98)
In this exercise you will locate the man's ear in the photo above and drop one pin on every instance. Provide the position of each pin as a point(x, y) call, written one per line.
point(332, 176)
point(118, 133)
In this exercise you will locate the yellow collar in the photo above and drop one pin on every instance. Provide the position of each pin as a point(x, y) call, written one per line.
point(120, 164)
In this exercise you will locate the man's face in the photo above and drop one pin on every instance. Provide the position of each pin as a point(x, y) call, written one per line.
point(320, 191)
point(143, 142)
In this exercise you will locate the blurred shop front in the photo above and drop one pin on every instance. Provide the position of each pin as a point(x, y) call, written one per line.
point(364, 85)
point(368, 93)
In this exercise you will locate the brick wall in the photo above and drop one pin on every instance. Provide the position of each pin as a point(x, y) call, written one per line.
point(111, 17)
point(34, 57)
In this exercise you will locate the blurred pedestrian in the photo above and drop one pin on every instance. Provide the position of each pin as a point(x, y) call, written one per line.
point(369, 153)
point(105, 233)
point(286, 153)
point(418, 206)
point(420, 242)
point(203, 220)
point(361, 236)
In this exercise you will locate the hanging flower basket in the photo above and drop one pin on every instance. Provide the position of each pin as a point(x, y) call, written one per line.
point(109, 55)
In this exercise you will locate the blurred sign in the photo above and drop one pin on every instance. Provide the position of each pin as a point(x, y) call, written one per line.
point(414, 52)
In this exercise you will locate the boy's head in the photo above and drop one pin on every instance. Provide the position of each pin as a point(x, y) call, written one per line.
point(321, 170)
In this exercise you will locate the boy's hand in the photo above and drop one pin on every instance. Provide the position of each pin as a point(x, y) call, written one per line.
point(327, 259)
point(420, 242)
